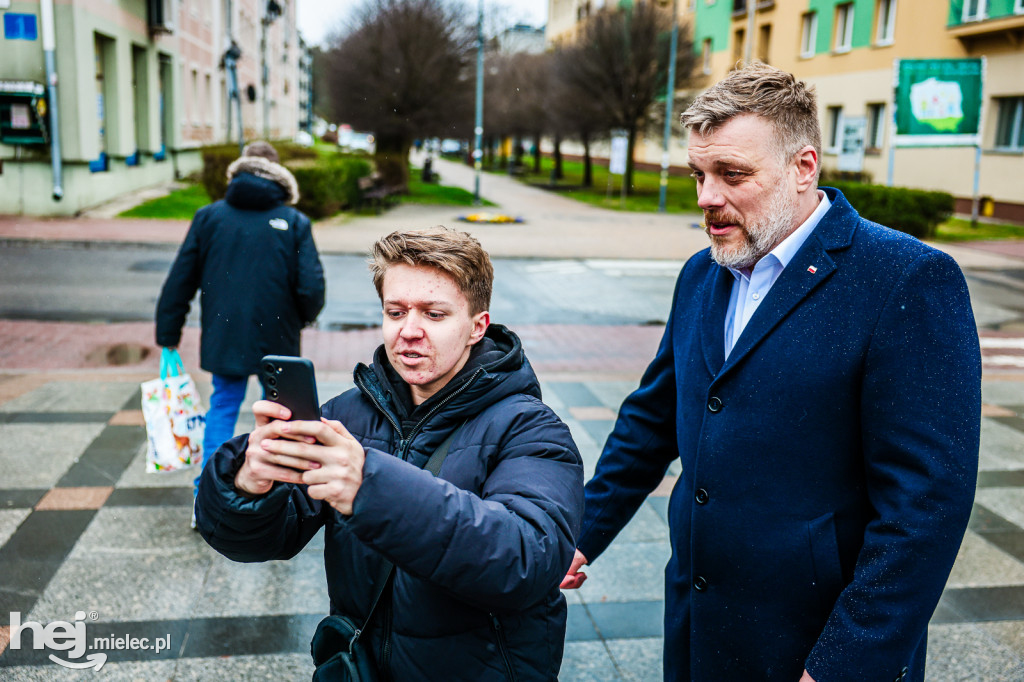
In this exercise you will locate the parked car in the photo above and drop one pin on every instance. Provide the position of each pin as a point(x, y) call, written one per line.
point(450, 147)
point(352, 141)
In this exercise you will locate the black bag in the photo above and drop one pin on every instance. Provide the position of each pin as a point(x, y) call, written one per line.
point(339, 652)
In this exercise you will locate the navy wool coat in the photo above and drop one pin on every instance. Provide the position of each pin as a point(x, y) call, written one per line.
point(479, 551)
point(252, 255)
point(828, 465)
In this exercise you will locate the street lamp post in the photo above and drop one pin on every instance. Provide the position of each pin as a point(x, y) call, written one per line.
point(271, 12)
point(670, 94)
point(478, 128)
point(751, 27)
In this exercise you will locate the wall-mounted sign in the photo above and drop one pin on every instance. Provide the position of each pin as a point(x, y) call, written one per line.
point(938, 102)
point(20, 26)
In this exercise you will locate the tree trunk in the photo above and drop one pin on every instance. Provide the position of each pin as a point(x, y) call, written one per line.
point(557, 168)
point(588, 164)
point(392, 160)
point(536, 154)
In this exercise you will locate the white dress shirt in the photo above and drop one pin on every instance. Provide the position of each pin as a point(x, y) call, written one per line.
point(749, 290)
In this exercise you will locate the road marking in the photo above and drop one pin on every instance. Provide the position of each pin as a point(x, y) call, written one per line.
point(1002, 342)
point(1004, 360)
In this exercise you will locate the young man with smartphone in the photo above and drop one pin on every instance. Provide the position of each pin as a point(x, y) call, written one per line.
point(480, 549)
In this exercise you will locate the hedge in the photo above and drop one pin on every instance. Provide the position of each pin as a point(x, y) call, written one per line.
point(914, 211)
point(326, 185)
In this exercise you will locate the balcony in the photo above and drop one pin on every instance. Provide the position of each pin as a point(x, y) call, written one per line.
point(739, 7)
point(1010, 27)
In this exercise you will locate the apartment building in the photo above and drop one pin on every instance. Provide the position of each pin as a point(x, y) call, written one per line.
point(139, 88)
point(847, 50)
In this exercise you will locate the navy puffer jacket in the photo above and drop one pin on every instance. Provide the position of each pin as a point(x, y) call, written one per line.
point(252, 254)
point(479, 551)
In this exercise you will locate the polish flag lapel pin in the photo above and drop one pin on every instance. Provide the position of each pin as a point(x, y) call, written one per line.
point(812, 269)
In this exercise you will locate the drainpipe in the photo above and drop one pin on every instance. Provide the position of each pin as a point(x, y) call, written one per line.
point(51, 86)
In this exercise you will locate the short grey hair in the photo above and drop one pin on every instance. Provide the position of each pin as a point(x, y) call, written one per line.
point(261, 148)
point(773, 94)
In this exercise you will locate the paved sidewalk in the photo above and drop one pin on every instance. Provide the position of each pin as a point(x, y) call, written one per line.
point(83, 528)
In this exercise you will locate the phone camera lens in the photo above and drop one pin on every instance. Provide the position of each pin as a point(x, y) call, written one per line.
point(273, 394)
point(272, 381)
point(269, 368)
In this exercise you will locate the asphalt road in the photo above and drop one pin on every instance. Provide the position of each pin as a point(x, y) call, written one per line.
point(111, 283)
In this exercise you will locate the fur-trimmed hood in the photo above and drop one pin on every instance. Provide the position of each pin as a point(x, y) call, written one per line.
point(268, 170)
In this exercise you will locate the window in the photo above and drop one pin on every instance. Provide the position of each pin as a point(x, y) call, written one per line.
point(809, 34)
point(194, 104)
point(876, 126)
point(835, 127)
point(886, 22)
point(208, 101)
point(974, 10)
point(1018, 7)
point(737, 44)
point(844, 27)
point(1010, 125)
point(764, 43)
point(706, 56)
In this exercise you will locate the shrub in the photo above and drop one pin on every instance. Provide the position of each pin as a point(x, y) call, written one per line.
point(328, 185)
point(325, 186)
point(914, 211)
point(216, 160)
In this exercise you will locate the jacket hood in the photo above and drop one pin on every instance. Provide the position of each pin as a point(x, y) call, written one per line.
point(496, 369)
point(261, 169)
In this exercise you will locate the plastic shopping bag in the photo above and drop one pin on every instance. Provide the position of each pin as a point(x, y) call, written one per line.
point(175, 418)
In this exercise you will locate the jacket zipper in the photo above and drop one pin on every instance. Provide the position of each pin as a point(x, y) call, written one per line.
point(386, 649)
point(405, 443)
point(503, 647)
point(403, 449)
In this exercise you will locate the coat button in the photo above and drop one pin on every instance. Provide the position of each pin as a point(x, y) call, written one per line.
point(714, 404)
point(700, 584)
point(701, 496)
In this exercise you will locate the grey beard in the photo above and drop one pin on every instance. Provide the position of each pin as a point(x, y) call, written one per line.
point(761, 237)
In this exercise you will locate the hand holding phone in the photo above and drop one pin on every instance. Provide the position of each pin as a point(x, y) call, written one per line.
point(291, 381)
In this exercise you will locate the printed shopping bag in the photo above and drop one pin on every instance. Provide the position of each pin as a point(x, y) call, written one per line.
point(175, 418)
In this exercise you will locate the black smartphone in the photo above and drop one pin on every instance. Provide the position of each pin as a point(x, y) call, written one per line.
point(291, 382)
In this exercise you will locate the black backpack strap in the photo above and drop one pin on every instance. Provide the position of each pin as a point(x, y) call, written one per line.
point(387, 568)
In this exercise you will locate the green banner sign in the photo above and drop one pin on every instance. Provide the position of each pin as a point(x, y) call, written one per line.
point(938, 102)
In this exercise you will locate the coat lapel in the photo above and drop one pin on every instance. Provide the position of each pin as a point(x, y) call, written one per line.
point(795, 283)
point(717, 288)
point(810, 267)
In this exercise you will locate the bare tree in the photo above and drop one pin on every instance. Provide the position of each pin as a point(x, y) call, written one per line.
point(619, 63)
point(404, 70)
point(574, 113)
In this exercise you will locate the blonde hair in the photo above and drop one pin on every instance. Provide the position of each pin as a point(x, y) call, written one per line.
point(773, 94)
point(456, 254)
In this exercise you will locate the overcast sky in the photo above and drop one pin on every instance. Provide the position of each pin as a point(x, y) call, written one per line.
point(316, 18)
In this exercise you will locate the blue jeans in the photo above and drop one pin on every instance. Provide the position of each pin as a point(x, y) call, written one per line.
point(225, 403)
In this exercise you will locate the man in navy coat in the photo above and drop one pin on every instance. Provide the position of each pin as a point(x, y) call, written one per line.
point(819, 379)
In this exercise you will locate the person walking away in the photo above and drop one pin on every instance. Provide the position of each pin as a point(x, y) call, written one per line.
point(252, 256)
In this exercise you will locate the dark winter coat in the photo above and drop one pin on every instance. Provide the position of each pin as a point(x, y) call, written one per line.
point(479, 551)
point(252, 255)
point(829, 464)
